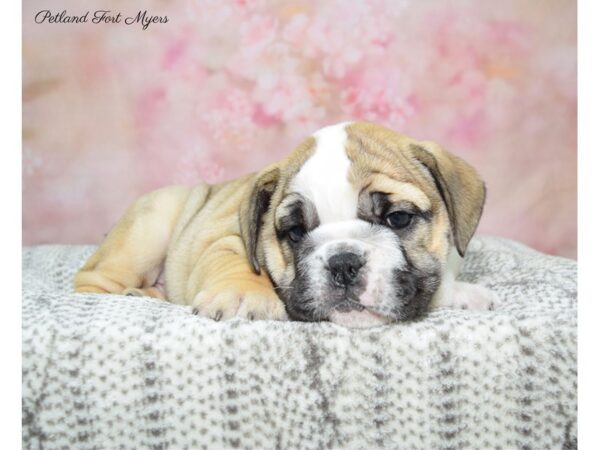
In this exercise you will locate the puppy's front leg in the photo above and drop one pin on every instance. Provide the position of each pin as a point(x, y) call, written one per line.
point(229, 287)
point(459, 294)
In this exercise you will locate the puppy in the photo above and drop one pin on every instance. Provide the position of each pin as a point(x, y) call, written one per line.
point(359, 225)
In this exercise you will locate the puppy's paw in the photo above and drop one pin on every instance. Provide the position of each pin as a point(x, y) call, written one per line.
point(255, 304)
point(474, 297)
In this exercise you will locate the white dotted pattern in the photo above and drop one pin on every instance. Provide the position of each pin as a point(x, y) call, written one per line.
point(104, 372)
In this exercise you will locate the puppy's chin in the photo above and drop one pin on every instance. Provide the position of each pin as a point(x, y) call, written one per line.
point(358, 319)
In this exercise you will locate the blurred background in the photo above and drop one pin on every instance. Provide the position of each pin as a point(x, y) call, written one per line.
point(226, 86)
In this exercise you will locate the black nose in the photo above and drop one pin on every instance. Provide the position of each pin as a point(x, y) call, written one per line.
point(344, 268)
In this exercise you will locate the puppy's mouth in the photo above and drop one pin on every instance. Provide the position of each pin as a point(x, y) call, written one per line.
point(349, 304)
point(349, 312)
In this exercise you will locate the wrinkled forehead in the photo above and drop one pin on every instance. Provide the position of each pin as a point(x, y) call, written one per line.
point(345, 162)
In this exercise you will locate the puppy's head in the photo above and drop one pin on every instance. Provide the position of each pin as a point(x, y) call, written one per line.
point(356, 225)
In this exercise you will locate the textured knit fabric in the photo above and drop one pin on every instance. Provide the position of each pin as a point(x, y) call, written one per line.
point(107, 371)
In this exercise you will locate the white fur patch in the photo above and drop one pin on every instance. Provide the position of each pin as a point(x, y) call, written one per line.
point(323, 179)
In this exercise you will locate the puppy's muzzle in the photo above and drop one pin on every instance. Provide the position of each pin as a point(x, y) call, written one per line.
point(344, 268)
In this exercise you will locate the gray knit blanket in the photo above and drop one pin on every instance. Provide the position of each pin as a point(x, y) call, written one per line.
point(114, 372)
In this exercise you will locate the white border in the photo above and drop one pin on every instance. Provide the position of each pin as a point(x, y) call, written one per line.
point(10, 234)
point(589, 223)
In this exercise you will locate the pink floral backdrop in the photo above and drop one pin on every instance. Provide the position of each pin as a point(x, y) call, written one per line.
point(225, 87)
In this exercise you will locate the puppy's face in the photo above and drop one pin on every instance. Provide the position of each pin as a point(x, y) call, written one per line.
point(356, 225)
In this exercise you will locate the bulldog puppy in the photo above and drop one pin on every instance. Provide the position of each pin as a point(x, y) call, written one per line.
point(359, 225)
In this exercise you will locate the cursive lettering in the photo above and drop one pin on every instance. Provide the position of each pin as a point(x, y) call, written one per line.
point(46, 15)
point(100, 16)
point(145, 19)
point(104, 16)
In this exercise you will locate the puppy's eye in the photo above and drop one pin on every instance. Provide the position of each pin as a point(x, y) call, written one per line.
point(399, 219)
point(296, 233)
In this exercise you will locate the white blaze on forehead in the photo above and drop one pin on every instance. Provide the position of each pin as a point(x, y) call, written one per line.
point(323, 178)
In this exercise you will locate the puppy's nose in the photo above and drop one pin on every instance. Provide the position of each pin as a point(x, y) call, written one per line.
point(344, 268)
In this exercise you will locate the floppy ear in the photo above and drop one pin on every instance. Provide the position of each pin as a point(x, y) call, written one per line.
point(254, 207)
point(459, 185)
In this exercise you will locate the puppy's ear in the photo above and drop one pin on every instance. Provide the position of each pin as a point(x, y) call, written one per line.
point(254, 207)
point(459, 185)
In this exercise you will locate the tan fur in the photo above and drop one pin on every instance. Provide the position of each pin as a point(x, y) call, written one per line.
point(197, 235)
point(271, 254)
point(463, 191)
point(382, 162)
point(400, 190)
point(213, 243)
point(132, 253)
point(378, 152)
